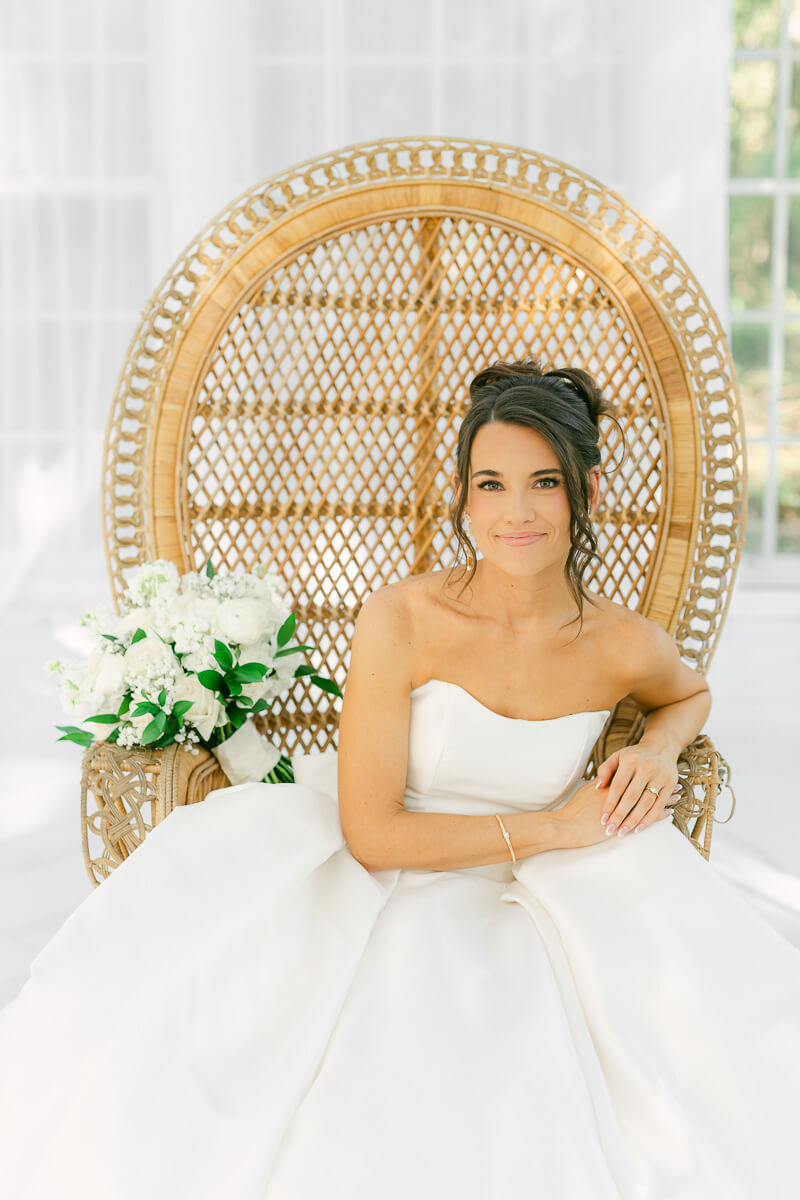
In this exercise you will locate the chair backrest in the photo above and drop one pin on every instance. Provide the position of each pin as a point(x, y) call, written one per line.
point(294, 389)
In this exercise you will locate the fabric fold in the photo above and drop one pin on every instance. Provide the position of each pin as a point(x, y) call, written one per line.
point(681, 1033)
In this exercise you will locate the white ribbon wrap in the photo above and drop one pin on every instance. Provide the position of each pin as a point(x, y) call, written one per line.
point(246, 756)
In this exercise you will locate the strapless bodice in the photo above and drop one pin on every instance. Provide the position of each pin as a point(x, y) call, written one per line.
point(465, 758)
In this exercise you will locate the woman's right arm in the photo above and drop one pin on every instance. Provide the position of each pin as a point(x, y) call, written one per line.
point(372, 762)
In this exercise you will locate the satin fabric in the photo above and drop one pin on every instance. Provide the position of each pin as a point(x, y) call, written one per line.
point(242, 1010)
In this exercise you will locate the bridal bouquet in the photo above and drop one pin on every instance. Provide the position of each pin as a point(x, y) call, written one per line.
point(189, 659)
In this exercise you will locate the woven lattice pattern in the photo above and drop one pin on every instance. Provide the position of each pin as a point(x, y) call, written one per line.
point(324, 432)
point(296, 384)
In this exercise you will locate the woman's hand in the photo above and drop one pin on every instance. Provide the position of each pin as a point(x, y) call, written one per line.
point(579, 818)
point(623, 780)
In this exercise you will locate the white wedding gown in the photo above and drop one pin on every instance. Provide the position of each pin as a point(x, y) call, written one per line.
point(241, 1011)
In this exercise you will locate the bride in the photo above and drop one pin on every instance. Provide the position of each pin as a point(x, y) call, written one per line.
point(437, 964)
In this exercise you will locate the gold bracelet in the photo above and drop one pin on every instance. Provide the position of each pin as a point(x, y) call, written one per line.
point(505, 835)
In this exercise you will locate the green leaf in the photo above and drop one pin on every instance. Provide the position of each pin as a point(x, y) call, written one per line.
point(104, 719)
point(171, 727)
point(305, 669)
point(154, 730)
point(74, 733)
point(126, 703)
point(251, 672)
point(209, 569)
point(212, 680)
point(237, 718)
point(137, 637)
point(113, 736)
point(223, 655)
point(111, 637)
point(145, 706)
point(287, 629)
point(260, 706)
point(162, 695)
point(327, 685)
point(233, 685)
point(181, 707)
point(291, 650)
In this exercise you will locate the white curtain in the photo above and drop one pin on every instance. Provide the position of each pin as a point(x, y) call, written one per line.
point(133, 123)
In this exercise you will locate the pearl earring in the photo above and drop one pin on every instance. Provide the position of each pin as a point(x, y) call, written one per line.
point(466, 521)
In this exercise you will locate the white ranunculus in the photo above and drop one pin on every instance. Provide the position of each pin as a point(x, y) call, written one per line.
point(241, 619)
point(206, 711)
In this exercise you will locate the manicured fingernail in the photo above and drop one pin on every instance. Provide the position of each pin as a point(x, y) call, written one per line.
point(610, 829)
point(604, 818)
point(638, 827)
point(597, 785)
point(623, 831)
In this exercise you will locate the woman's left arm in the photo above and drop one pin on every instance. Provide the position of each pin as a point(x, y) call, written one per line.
point(676, 700)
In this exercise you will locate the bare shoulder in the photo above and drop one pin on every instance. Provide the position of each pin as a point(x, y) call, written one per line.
point(382, 641)
point(408, 600)
point(651, 669)
point(627, 635)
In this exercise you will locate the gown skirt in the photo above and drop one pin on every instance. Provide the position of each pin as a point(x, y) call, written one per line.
point(242, 1011)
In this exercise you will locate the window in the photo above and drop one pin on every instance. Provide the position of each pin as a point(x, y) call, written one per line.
point(764, 283)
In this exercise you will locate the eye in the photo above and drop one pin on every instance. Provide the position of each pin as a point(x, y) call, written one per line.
point(546, 479)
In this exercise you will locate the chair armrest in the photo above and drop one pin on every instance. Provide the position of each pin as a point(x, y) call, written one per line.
point(125, 793)
point(702, 774)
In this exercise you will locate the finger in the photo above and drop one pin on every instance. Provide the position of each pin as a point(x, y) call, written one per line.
point(624, 805)
point(656, 813)
point(607, 769)
point(616, 789)
point(633, 805)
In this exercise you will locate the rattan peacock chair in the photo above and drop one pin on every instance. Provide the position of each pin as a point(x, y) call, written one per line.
point(294, 389)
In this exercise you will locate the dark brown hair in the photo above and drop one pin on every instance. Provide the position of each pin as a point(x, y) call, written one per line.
point(563, 406)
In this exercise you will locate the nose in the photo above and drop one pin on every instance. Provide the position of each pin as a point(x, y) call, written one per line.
point(519, 510)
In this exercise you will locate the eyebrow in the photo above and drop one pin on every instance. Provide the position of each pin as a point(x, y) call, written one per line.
point(533, 474)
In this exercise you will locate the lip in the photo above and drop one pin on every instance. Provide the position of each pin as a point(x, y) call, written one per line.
point(522, 539)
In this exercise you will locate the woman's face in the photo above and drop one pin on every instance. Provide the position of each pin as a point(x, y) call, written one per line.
point(516, 487)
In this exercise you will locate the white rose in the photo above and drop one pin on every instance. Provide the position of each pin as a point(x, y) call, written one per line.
point(110, 679)
point(150, 654)
point(206, 711)
point(129, 622)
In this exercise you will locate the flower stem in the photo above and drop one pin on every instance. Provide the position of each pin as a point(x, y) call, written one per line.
point(282, 772)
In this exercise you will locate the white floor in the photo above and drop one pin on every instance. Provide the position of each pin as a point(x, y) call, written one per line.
point(753, 723)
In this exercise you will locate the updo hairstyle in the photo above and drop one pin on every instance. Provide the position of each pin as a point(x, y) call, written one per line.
point(563, 406)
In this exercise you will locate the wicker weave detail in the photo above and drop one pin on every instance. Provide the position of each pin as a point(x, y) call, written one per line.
point(296, 383)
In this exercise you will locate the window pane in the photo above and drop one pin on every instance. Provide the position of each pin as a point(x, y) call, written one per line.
point(753, 90)
point(794, 22)
point(793, 265)
point(125, 98)
point(280, 28)
point(387, 28)
point(793, 122)
point(757, 23)
point(750, 251)
point(756, 474)
point(750, 346)
point(790, 392)
point(788, 499)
